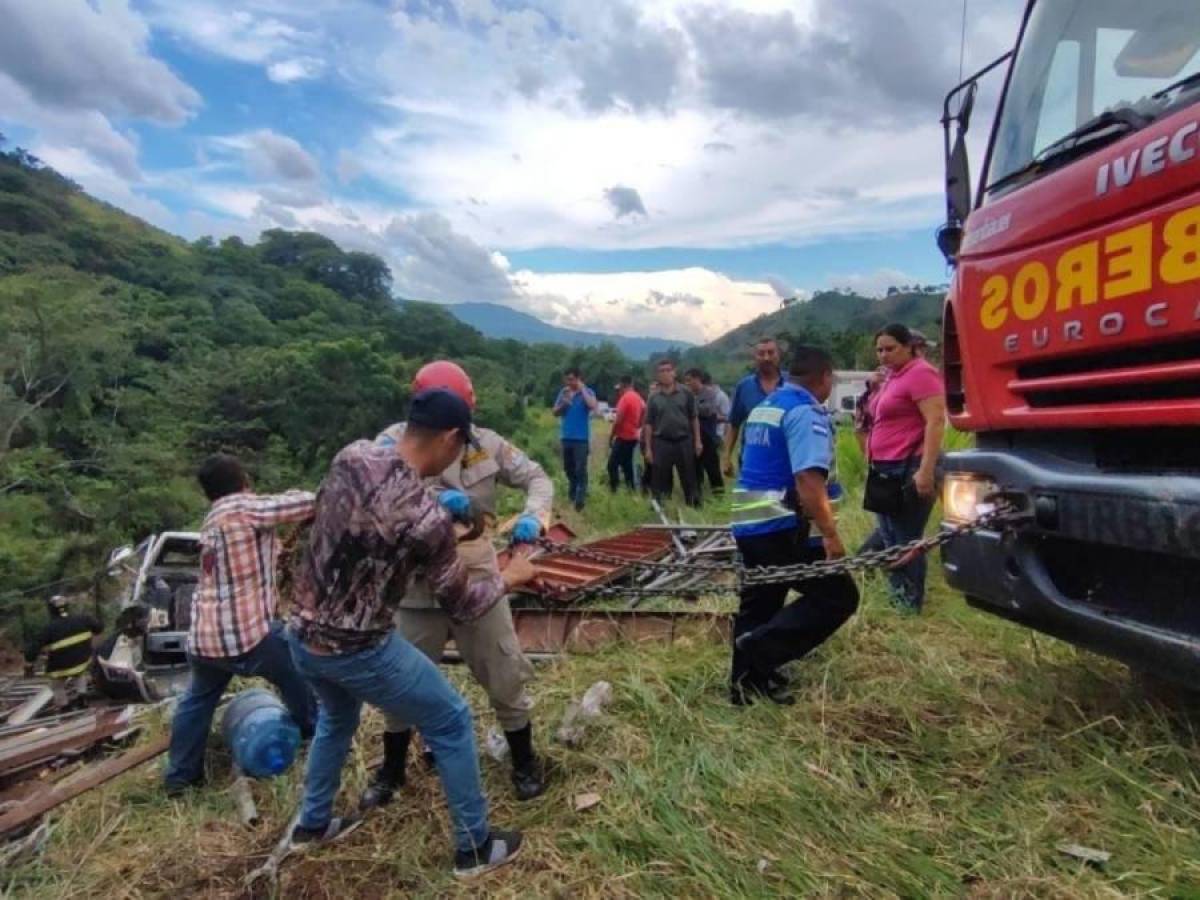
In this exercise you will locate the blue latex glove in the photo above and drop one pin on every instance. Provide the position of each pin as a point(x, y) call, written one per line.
point(457, 504)
point(527, 530)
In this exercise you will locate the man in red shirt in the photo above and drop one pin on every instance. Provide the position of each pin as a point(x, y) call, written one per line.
point(623, 440)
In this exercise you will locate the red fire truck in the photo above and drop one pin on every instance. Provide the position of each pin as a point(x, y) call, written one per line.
point(1072, 331)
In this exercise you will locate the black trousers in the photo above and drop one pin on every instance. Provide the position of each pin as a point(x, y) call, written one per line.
point(620, 462)
point(778, 634)
point(670, 456)
point(709, 461)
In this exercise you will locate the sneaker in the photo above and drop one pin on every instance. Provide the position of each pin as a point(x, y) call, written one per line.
point(529, 781)
point(381, 789)
point(338, 828)
point(498, 850)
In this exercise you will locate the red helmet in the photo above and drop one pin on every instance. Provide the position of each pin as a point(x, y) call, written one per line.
point(441, 373)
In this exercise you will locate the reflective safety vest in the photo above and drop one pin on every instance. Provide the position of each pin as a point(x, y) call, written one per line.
point(764, 500)
point(67, 642)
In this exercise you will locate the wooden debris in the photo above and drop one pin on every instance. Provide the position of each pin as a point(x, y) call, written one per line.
point(97, 774)
point(69, 737)
point(33, 705)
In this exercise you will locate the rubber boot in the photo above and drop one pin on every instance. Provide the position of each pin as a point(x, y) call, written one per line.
point(389, 777)
point(528, 774)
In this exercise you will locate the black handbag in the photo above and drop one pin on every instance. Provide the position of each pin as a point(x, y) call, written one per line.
point(887, 493)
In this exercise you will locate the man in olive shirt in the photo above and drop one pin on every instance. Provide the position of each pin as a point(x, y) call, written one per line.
point(672, 435)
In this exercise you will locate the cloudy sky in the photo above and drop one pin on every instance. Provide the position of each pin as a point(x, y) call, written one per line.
point(653, 167)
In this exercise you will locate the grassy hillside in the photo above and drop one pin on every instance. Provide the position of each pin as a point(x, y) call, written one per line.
point(832, 312)
point(948, 755)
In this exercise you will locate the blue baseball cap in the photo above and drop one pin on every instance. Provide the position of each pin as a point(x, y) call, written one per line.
point(439, 410)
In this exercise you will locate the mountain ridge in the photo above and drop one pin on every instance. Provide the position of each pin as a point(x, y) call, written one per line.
point(495, 320)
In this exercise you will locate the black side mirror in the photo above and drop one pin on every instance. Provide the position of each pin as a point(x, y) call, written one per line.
point(958, 166)
point(955, 125)
point(958, 176)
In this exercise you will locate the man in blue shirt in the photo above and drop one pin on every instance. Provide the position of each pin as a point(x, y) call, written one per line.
point(751, 391)
point(781, 490)
point(575, 404)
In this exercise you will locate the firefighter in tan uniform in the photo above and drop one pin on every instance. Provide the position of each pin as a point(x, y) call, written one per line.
point(488, 645)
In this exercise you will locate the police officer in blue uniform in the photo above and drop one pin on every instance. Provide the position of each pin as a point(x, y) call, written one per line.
point(781, 494)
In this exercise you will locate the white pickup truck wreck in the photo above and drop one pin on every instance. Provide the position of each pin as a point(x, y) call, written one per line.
point(146, 657)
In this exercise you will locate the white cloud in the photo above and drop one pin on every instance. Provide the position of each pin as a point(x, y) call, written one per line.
point(783, 289)
point(299, 69)
point(246, 34)
point(272, 156)
point(693, 304)
point(89, 131)
point(74, 55)
point(431, 261)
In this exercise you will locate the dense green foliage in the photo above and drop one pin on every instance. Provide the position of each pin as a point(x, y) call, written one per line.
point(126, 355)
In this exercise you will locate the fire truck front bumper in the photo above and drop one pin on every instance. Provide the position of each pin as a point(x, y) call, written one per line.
point(1106, 561)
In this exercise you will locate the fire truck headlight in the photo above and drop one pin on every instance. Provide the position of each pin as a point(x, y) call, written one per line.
point(966, 497)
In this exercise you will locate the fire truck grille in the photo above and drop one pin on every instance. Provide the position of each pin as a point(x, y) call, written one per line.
point(1161, 372)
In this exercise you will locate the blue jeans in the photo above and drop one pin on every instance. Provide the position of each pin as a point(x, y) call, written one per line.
point(398, 679)
point(575, 462)
point(271, 660)
point(907, 582)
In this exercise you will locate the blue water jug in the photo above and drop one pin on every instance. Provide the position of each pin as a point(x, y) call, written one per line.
point(260, 733)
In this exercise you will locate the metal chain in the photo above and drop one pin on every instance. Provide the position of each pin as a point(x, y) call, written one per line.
point(877, 559)
point(1002, 516)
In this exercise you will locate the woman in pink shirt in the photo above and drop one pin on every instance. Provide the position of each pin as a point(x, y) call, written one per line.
point(905, 441)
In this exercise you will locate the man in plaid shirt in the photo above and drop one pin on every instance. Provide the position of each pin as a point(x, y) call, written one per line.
point(234, 631)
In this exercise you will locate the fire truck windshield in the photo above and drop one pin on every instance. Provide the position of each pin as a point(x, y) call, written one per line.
point(1079, 59)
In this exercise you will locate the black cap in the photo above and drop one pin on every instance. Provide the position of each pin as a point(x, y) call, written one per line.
point(439, 410)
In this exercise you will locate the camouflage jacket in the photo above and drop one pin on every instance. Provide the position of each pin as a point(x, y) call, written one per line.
point(376, 525)
point(478, 472)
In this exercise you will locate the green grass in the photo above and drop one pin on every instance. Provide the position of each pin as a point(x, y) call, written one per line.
point(944, 755)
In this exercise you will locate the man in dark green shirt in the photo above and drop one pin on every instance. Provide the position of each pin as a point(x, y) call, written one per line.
point(672, 434)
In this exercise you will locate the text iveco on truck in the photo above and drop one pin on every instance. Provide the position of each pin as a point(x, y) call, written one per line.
point(1072, 331)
